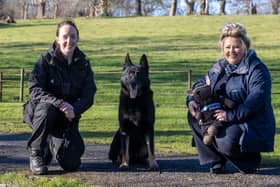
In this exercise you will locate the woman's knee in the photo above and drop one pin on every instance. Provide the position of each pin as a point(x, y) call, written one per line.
point(228, 139)
point(70, 165)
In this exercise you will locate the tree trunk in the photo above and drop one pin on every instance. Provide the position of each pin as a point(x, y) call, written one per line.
point(24, 9)
point(253, 8)
point(206, 9)
point(41, 9)
point(223, 7)
point(55, 11)
point(274, 6)
point(190, 5)
point(104, 7)
point(138, 8)
point(173, 8)
point(202, 5)
point(91, 7)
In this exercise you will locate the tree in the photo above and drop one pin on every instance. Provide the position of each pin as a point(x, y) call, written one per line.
point(173, 8)
point(103, 7)
point(138, 8)
point(223, 7)
point(1, 7)
point(190, 6)
point(204, 7)
point(275, 6)
point(41, 7)
point(253, 8)
point(149, 6)
point(24, 9)
point(55, 8)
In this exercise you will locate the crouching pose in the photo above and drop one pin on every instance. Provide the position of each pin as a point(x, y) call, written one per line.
point(248, 128)
point(61, 88)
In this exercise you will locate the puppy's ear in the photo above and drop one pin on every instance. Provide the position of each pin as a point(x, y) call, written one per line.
point(127, 61)
point(144, 62)
point(189, 92)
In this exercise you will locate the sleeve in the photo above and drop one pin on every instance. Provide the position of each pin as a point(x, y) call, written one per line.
point(258, 94)
point(87, 93)
point(37, 84)
point(201, 81)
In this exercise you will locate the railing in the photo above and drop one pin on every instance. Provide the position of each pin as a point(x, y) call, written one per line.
point(13, 84)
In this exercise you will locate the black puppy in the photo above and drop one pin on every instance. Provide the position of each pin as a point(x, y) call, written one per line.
point(134, 140)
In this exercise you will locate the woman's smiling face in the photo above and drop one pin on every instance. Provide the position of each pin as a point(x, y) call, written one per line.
point(233, 50)
point(67, 40)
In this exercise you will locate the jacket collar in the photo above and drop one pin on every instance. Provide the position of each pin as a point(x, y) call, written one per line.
point(243, 67)
point(56, 54)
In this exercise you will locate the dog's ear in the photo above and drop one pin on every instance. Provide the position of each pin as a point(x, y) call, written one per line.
point(144, 62)
point(127, 61)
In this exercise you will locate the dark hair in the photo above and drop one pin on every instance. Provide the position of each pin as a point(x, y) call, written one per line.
point(66, 22)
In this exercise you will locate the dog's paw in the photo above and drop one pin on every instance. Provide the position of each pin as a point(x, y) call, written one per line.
point(124, 165)
point(153, 165)
point(208, 139)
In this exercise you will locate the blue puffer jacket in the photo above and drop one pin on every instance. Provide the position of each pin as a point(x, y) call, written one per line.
point(249, 86)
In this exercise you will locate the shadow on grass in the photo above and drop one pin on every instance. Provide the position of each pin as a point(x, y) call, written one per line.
point(14, 137)
point(166, 165)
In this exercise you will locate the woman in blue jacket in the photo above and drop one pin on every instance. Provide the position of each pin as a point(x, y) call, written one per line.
point(249, 127)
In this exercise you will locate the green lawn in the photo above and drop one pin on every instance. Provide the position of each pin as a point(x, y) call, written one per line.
point(171, 44)
point(21, 180)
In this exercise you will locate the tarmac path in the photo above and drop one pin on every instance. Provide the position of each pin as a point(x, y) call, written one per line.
point(96, 169)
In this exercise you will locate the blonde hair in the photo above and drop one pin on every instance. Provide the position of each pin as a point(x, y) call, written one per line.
point(235, 30)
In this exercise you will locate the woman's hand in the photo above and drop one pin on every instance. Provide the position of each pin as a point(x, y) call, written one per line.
point(220, 115)
point(193, 108)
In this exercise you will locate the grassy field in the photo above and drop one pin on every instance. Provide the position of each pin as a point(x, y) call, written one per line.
point(21, 180)
point(173, 46)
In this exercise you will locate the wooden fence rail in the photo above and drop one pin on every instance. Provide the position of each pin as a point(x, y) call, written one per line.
point(21, 78)
point(1, 85)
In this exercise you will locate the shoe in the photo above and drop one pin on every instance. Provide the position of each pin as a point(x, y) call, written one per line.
point(217, 167)
point(249, 171)
point(37, 164)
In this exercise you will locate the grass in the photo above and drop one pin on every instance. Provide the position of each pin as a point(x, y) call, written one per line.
point(171, 44)
point(21, 180)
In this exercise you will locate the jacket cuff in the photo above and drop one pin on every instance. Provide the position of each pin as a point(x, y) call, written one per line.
point(58, 102)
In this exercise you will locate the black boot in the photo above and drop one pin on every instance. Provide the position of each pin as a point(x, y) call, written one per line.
point(37, 164)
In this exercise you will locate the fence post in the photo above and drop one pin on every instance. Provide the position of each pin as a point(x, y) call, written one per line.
point(21, 85)
point(1, 85)
point(189, 79)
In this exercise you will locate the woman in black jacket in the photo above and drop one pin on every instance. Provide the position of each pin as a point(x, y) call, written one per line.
point(249, 127)
point(61, 88)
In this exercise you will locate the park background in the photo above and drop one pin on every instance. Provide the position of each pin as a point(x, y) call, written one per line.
point(174, 46)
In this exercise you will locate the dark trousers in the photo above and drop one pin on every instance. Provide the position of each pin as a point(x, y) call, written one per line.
point(226, 145)
point(48, 127)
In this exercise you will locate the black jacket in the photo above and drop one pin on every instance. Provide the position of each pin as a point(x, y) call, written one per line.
point(53, 80)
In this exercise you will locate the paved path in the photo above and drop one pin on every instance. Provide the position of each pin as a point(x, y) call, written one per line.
point(176, 169)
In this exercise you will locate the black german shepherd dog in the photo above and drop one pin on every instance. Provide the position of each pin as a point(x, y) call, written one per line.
point(134, 140)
